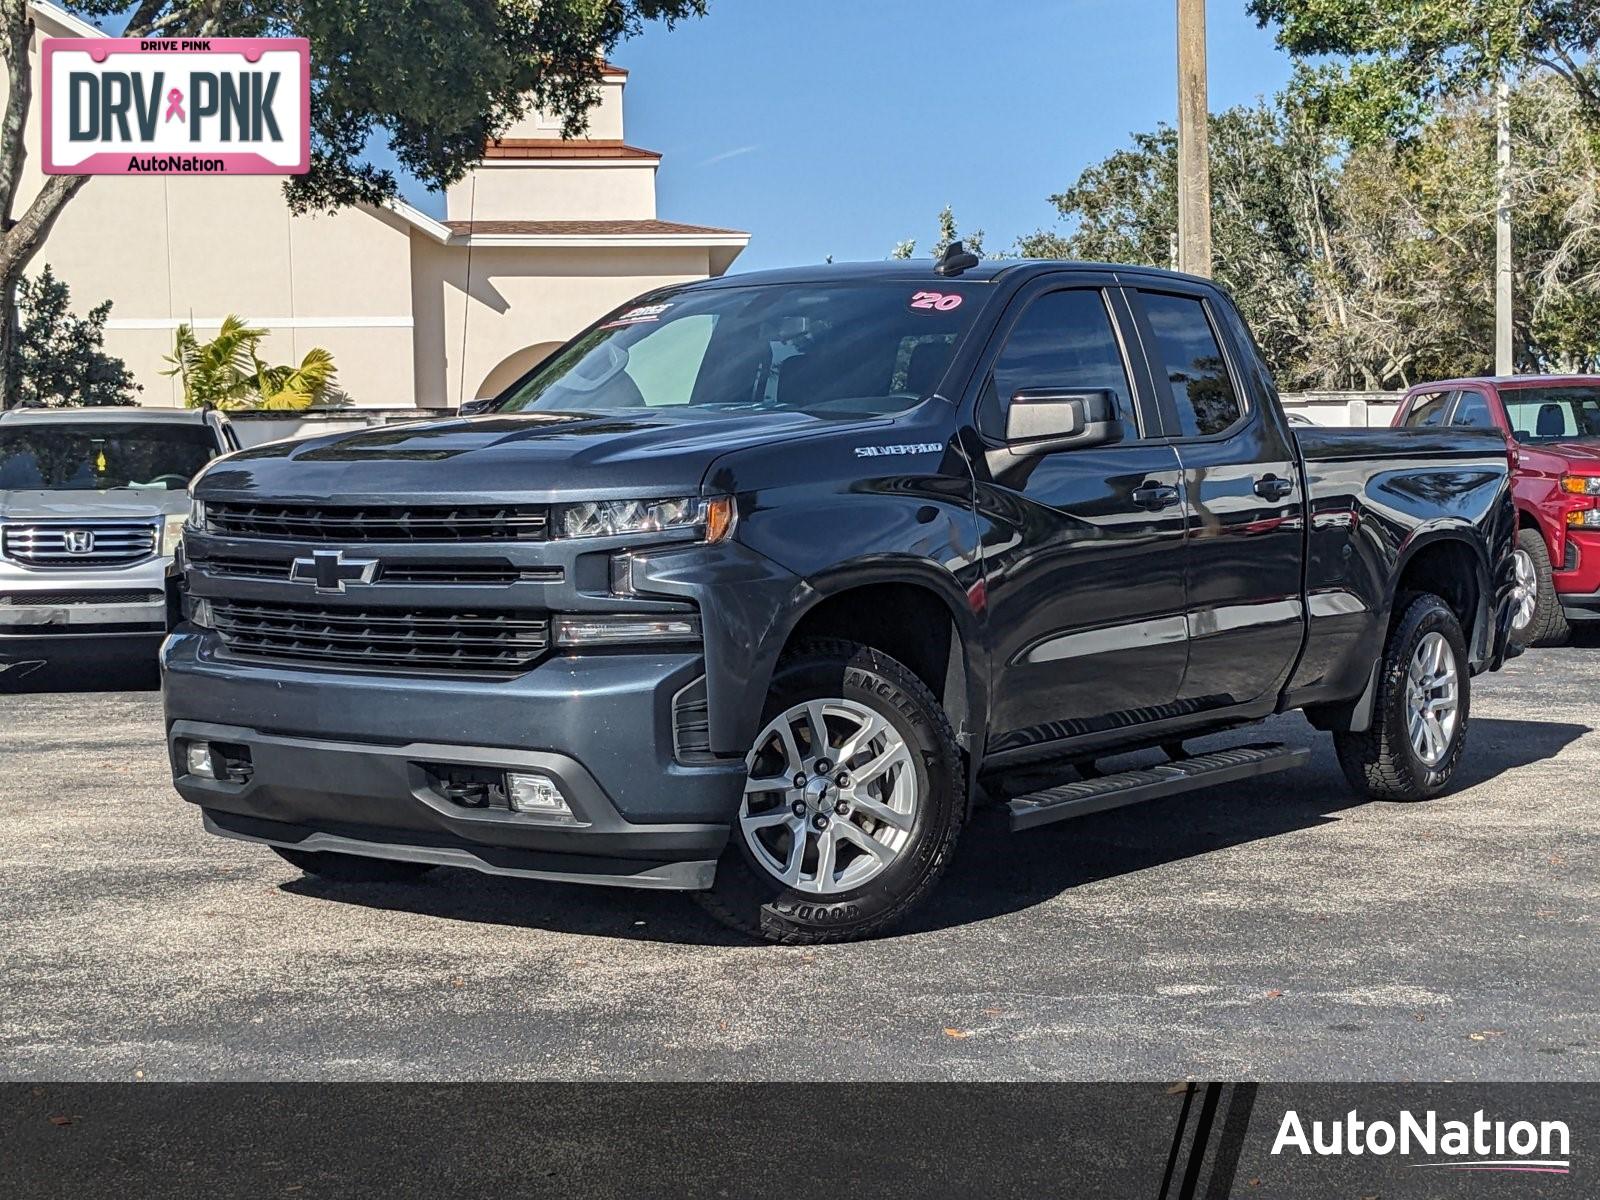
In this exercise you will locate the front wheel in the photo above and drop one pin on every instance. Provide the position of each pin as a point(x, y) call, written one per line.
point(853, 802)
point(1537, 619)
point(1419, 716)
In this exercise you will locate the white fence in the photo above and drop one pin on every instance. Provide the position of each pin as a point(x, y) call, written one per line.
point(1344, 409)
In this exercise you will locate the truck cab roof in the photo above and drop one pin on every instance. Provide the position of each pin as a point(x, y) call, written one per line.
point(913, 270)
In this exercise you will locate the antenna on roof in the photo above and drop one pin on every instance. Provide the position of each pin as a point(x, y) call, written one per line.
point(956, 259)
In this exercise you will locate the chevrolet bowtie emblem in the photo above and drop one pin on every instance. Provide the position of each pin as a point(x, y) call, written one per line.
point(330, 570)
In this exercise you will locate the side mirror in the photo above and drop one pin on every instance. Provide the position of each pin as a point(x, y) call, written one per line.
point(1041, 420)
point(472, 408)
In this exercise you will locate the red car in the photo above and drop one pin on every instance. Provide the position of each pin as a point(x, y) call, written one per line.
point(1552, 428)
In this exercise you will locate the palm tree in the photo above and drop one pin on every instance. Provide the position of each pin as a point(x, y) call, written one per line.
point(227, 372)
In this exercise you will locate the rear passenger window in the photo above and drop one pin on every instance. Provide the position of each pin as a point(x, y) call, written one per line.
point(1428, 410)
point(1065, 342)
point(1202, 390)
point(1473, 412)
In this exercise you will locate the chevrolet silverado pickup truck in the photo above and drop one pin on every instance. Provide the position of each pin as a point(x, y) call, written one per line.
point(92, 506)
point(1551, 424)
point(754, 587)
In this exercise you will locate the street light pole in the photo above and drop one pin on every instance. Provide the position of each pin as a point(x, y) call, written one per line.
point(1194, 161)
point(1504, 363)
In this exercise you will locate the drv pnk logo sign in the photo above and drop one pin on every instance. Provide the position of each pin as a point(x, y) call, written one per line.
point(176, 106)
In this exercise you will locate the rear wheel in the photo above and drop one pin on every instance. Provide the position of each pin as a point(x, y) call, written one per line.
point(352, 868)
point(1419, 716)
point(853, 802)
point(1537, 619)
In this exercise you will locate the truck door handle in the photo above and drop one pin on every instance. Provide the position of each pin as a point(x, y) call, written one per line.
point(1155, 496)
point(1270, 487)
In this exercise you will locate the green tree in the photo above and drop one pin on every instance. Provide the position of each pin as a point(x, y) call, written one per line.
point(59, 357)
point(1354, 268)
point(227, 371)
point(1380, 69)
point(436, 78)
point(948, 232)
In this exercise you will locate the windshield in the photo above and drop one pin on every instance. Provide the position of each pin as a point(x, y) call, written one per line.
point(833, 351)
point(1553, 414)
point(92, 456)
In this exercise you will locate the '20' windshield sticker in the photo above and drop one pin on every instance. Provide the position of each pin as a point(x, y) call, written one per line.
point(638, 316)
point(936, 301)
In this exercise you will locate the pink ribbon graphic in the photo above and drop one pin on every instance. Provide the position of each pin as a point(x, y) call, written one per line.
point(174, 106)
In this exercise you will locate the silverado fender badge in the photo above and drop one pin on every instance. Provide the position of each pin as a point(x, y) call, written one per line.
point(330, 570)
point(906, 448)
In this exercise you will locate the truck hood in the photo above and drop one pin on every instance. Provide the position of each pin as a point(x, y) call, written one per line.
point(1579, 454)
point(534, 456)
point(117, 504)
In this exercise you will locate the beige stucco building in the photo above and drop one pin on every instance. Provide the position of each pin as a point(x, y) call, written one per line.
point(541, 238)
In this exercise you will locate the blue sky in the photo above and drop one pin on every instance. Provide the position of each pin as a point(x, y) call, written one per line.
point(842, 126)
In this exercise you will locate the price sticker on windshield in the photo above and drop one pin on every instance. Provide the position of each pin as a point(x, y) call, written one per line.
point(936, 301)
point(638, 316)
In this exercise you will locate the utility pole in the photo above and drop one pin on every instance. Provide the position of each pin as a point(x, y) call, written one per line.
point(1194, 156)
point(1504, 364)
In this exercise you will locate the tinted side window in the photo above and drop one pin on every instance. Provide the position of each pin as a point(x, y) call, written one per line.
point(1065, 342)
point(1204, 394)
point(1428, 410)
point(1473, 412)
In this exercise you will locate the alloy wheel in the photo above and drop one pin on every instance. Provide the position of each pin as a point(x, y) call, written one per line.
point(1433, 699)
point(831, 796)
point(1526, 594)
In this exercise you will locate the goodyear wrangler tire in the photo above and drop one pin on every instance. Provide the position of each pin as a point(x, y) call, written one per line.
point(1419, 717)
point(853, 803)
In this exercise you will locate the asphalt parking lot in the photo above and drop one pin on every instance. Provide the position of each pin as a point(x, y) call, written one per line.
point(1275, 930)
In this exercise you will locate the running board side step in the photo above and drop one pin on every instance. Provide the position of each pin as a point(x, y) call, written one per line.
point(1087, 796)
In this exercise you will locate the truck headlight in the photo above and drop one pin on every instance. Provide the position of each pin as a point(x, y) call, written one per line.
point(1581, 485)
point(624, 629)
point(197, 515)
point(609, 518)
point(171, 533)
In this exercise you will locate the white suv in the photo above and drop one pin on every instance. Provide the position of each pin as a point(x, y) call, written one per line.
point(92, 505)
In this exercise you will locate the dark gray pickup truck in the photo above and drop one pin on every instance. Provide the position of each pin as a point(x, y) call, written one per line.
point(753, 587)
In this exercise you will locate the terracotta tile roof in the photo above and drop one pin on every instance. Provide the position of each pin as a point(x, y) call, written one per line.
point(586, 228)
point(612, 68)
point(547, 148)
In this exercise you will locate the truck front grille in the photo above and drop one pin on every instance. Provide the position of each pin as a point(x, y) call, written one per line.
point(473, 572)
point(90, 544)
point(383, 638)
point(350, 524)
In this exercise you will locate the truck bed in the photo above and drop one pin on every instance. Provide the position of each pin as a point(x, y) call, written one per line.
point(1374, 500)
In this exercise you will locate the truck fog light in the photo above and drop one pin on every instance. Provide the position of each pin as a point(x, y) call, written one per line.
point(538, 796)
point(198, 760)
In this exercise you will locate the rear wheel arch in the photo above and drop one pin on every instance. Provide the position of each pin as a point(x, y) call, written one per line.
point(1451, 566)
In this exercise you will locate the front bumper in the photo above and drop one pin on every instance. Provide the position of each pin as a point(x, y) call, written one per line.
point(39, 606)
point(348, 761)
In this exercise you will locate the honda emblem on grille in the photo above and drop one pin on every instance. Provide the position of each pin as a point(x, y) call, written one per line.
point(330, 570)
point(79, 541)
